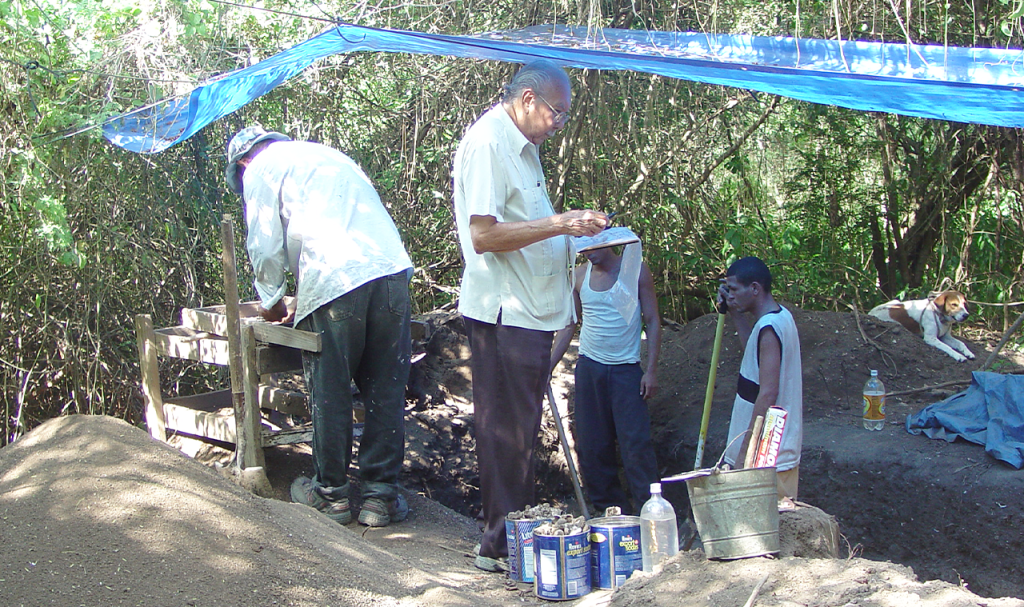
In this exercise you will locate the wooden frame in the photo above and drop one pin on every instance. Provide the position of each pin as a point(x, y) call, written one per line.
point(205, 415)
point(228, 335)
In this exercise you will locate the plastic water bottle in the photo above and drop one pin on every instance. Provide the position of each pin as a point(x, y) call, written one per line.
point(659, 537)
point(874, 403)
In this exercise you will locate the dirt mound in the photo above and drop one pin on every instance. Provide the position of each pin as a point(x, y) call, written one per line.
point(95, 512)
point(790, 582)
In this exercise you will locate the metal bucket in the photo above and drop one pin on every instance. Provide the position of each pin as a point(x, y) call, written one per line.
point(562, 566)
point(519, 534)
point(614, 550)
point(736, 512)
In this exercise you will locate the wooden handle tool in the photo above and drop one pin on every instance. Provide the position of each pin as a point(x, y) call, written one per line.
point(755, 439)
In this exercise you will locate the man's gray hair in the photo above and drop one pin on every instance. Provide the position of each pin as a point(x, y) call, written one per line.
point(536, 75)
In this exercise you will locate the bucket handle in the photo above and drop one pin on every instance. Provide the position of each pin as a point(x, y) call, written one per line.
point(715, 470)
point(721, 458)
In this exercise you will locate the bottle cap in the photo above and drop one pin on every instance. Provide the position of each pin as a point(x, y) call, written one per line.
point(655, 488)
point(874, 373)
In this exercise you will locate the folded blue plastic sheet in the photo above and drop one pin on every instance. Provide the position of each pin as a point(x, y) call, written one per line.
point(977, 85)
point(990, 413)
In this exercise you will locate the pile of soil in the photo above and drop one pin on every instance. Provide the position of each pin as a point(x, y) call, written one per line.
point(95, 512)
point(950, 511)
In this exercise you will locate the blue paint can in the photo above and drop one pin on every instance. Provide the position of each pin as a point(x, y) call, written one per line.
point(615, 551)
point(519, 534)
point(561, 566)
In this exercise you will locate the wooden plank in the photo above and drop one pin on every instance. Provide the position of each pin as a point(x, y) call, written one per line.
point(149, 372)
point(287, 437)
point(213, 319)
point(286, 401)
point(231, 315)
point(217, 425)
point(210, 401)
point(277, 359)
point(286, 336)
point(183, 342)
point(245, 454)
point(249, 448)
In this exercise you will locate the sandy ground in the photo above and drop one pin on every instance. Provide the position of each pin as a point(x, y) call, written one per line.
point(95, 512)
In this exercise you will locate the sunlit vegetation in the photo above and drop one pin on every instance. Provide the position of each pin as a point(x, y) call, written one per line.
point(848, 207)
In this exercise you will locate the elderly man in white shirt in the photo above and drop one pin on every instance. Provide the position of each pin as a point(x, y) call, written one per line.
point(516, 288)
point(311, 211)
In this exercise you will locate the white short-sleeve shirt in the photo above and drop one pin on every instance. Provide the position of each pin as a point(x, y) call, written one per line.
point(312, 211)
point(497, 173)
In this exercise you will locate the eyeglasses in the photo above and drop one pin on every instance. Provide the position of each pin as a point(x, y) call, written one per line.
point(562, 117)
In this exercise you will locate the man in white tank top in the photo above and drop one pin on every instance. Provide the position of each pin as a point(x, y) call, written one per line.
point(770, 372)
point(615, 296)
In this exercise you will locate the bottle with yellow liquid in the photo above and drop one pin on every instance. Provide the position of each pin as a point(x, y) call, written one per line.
point(874, 403)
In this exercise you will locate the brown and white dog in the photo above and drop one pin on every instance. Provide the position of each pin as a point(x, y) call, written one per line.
point(932, 319)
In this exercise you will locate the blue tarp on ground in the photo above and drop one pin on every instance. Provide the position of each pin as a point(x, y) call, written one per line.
point(977, 85)
point(990, 413)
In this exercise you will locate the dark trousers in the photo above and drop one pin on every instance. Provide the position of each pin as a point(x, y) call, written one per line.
point(609, 408)
point(365, 336)
point(510, 371)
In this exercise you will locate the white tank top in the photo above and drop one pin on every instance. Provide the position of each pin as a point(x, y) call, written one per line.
point(607, 336)
point(791, 396)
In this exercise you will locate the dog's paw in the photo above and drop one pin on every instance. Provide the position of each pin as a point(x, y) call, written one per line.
point(959, 357)
point(969, 355)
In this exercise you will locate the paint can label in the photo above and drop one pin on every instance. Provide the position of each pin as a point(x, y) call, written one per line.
point(562, 566)
point(614, 550)
point(519, 534)
point(771, 438)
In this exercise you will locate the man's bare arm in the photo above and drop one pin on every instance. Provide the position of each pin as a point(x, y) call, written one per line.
point(769, 368)
point(564, 336)
point(652, 326)
point(492, 236)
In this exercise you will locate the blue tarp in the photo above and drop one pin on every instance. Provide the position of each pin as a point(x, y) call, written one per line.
point(978, 85)
point(990, 413)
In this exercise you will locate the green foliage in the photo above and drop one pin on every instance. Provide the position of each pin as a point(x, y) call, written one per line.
point(54, 233)
point(92, 235)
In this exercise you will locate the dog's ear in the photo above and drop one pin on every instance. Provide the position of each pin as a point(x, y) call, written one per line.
point(956, 301)
point(939, 299)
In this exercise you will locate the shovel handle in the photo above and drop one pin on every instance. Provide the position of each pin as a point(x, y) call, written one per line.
point(755, 440)
point(568, 453)
point(709, 394)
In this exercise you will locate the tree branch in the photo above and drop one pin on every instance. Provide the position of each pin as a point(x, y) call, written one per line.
point(732, 149)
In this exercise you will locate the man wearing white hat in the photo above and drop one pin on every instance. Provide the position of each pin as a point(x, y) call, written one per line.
point(311, 211)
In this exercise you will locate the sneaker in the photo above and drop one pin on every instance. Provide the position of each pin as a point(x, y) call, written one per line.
point(488, 564)
point(303, 492)
point(375, 513)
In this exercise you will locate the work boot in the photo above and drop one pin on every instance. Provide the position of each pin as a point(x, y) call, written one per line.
point(375, 513)
point(303, 492)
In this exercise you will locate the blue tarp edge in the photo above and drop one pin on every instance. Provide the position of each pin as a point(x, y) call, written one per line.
point(976, 85)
